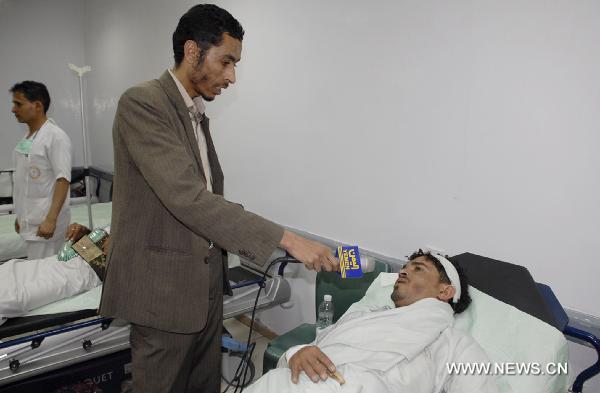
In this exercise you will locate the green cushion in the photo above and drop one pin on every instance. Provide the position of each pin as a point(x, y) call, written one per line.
point(344, 291)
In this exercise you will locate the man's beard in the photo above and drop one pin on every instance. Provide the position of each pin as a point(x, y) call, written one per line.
point(198, 68)
point(205, 98)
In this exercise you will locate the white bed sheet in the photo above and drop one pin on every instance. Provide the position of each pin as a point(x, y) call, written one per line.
point(89, 300)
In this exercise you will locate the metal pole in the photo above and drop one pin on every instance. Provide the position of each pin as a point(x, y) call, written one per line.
point(80, 72)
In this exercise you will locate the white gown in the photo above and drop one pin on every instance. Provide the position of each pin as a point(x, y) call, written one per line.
point(406, 349)
point(29, 284)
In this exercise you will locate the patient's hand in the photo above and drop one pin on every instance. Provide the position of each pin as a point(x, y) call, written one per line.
point(313, 362)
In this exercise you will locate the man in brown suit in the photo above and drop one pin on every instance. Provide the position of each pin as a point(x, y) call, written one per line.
point(170, 222)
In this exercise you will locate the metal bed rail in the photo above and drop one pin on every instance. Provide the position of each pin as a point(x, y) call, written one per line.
point(562, 319)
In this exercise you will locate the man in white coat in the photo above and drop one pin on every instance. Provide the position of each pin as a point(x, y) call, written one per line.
point(406, 348)
point(42, 173)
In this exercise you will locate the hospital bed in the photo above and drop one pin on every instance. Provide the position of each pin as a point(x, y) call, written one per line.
point(515, 320)
point(11, 244)
point(66, 343)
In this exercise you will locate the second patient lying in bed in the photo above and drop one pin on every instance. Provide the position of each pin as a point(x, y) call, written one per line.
point(406, 348)
point(28, 284)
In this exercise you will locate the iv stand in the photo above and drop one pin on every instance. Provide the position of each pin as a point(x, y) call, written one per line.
point(80, 72)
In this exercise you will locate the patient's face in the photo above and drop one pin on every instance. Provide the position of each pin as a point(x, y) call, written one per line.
point(417, 280)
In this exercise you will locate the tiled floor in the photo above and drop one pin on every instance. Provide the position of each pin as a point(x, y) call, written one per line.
point(239, 331)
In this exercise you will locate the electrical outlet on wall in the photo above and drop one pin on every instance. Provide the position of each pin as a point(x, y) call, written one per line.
point(435, 250)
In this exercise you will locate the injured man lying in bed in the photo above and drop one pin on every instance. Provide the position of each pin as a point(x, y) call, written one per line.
point(406, 348)
point(80, 266)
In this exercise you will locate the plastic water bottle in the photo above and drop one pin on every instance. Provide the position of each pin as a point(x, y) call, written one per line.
point(325, 315)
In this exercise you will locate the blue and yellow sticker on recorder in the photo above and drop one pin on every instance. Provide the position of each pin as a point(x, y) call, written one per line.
point(349, 258)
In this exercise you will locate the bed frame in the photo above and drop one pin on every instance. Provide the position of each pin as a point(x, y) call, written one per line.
point(60, 349)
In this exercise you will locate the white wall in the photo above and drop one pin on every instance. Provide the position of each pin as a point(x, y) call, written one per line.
point(126, 42)
point(37, 41)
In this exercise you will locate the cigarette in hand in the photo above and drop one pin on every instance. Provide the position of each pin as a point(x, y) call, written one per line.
point(338, 377)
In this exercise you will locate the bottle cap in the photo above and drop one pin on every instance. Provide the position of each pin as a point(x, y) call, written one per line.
point(327, 298)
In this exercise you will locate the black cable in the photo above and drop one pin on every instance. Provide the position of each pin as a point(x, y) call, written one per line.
point(242, 368)
point(235, 375)
point(239, 355)
point(248, 364)
point(241, 382)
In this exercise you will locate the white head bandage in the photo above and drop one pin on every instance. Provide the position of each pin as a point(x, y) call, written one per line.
point(452, 275)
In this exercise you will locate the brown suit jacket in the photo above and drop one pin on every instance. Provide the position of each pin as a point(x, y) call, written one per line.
point(163, 218)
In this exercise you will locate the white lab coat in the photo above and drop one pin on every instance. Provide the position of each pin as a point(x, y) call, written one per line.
point(34, 181)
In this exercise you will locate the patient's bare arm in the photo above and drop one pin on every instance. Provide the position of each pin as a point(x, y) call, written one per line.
point(313, 362)
point(76, 232)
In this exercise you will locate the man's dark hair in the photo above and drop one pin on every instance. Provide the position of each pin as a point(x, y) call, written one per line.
point(465, 298)
point(33, 91)
point(205, 25)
